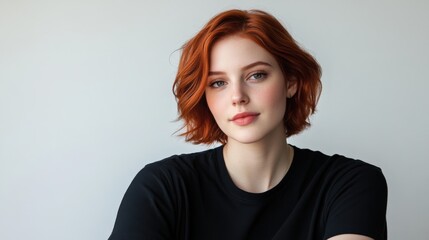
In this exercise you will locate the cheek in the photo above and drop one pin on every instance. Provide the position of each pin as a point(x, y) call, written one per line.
point(213, 104)
point(274, 96)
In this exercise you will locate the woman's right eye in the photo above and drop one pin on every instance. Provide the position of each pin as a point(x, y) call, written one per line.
point(217, 84)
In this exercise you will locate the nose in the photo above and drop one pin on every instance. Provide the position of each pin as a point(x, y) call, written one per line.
point(239, 95)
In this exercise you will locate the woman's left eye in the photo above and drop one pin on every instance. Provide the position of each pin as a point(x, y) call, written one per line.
point(257, 76)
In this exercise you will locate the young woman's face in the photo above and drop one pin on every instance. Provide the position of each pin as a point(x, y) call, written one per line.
point(246, 90)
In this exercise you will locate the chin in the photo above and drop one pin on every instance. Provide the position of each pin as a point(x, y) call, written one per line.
point(245, 138)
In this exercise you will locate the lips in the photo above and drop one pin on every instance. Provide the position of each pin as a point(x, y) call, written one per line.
point(244, 118)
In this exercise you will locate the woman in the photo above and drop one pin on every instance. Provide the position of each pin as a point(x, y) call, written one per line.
point(244, 82)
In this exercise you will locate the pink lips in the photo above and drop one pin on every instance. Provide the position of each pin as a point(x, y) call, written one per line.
point(245, 118)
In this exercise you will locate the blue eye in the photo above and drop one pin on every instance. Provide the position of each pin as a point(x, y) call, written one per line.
point(257, 76)
point(217, 84)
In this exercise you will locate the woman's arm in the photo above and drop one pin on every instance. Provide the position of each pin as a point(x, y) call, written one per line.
point(350, 237)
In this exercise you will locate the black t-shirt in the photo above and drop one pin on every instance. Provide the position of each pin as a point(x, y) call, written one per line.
point(192, 196)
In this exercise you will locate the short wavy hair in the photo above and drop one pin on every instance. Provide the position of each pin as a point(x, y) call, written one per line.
point(296, 64)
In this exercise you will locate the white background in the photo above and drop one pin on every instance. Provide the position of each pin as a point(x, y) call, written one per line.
point(86, 102)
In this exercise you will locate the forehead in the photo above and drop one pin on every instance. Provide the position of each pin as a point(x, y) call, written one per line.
point(236, 51)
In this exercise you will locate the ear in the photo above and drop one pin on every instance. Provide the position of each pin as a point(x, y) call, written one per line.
point(291, 87)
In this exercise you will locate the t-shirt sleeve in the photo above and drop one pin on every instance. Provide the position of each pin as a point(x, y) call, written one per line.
point(146, 208)
point(357, 202)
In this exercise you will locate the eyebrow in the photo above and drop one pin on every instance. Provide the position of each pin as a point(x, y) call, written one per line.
point(243, 68)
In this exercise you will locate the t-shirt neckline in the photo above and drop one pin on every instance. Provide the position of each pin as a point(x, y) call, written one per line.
point(248, 197)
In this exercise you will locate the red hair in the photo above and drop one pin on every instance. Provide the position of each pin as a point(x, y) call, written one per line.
point(297, 66)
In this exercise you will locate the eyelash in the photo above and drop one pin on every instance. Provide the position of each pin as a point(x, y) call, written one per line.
point(214, 83)
point(262, 75)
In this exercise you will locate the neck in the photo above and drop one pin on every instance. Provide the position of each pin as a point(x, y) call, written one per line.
point(257, 167)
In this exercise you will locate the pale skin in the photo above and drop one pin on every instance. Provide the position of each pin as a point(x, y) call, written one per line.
point(245, 78)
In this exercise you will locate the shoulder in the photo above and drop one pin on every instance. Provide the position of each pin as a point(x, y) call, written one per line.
point(354, 172)
point(337, 166)
point(168, 179)
point(354, 193)
point(158, 195)
point(178, 166)
point(358, 179)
